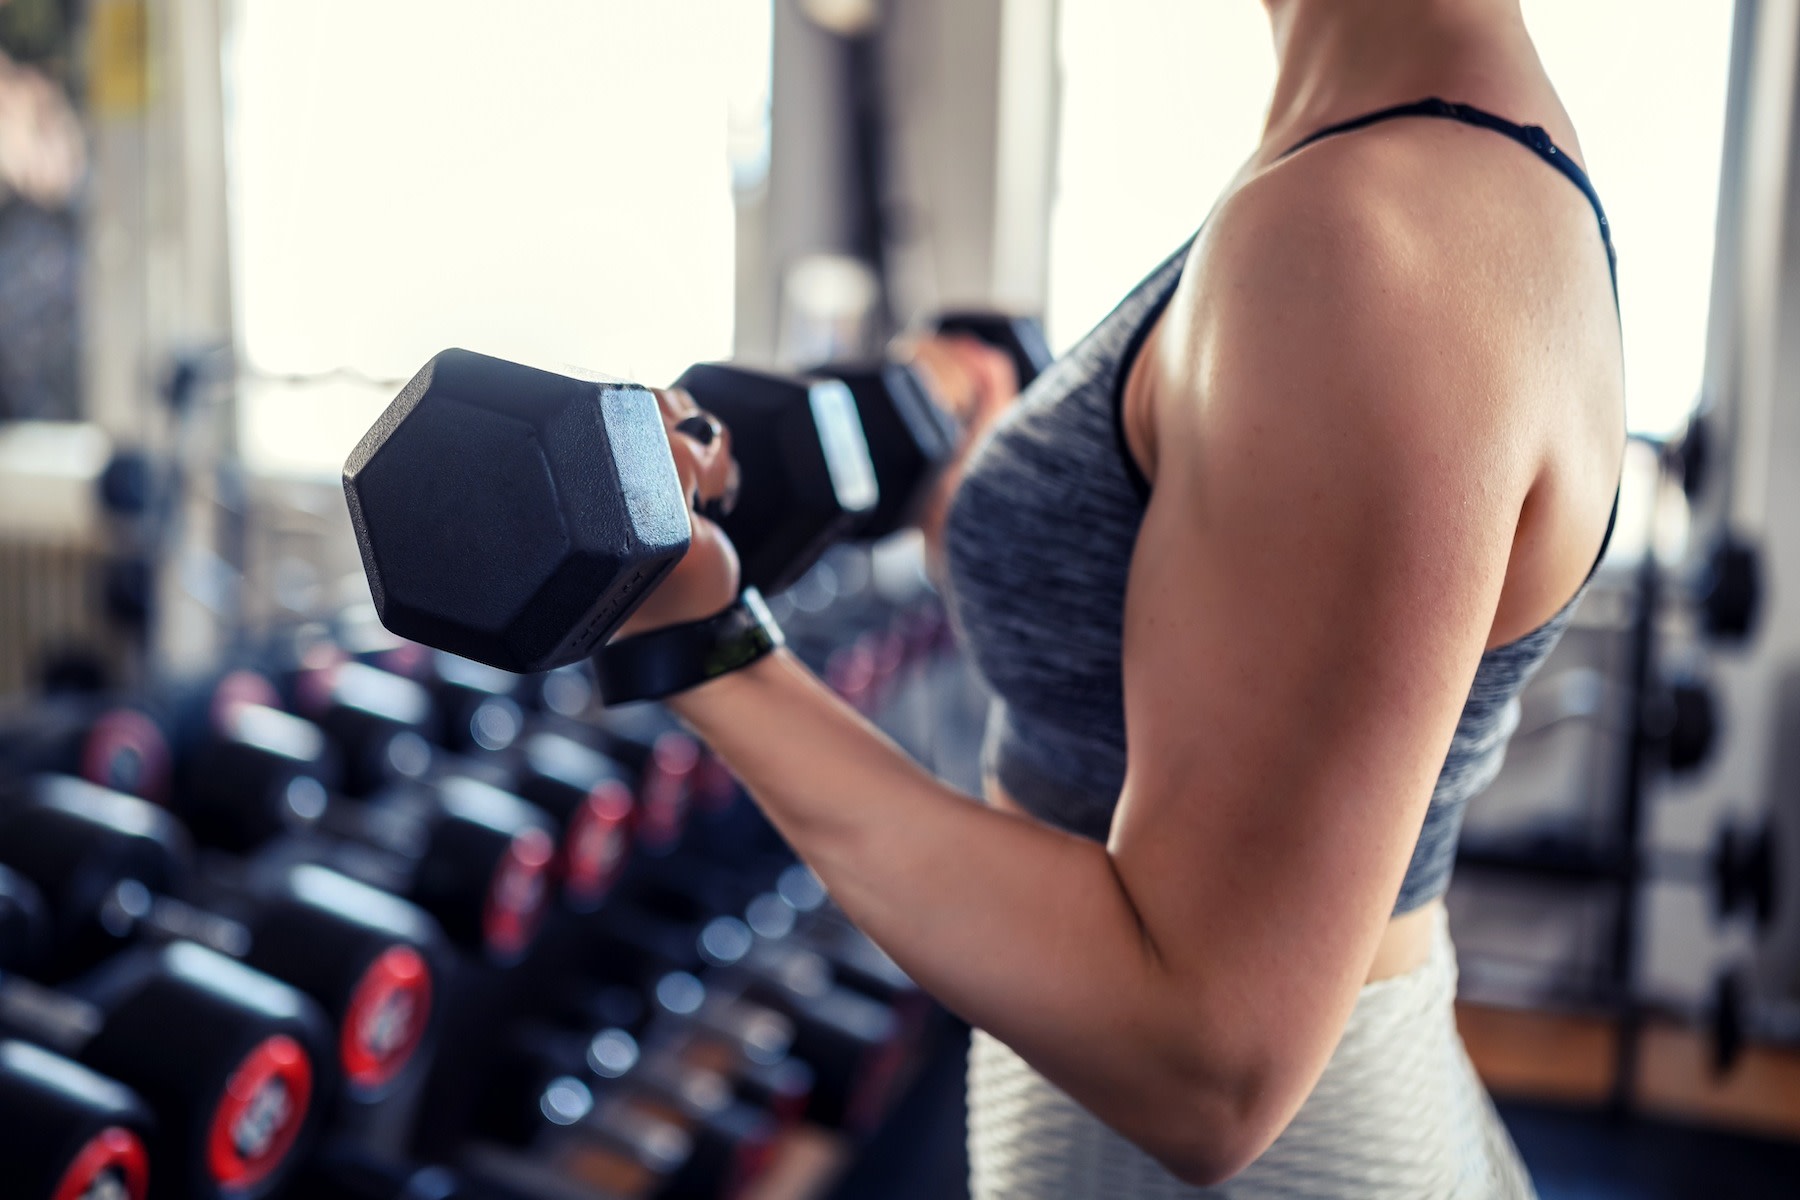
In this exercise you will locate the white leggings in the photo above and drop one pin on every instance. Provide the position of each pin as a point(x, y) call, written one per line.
point(1397, 1115)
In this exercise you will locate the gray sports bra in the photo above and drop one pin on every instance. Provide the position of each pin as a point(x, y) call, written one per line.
point(1040, 538)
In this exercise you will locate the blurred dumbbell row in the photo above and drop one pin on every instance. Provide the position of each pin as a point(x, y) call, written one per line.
point(355, 906)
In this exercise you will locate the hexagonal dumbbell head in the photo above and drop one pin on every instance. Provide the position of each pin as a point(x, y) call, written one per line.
point(514, 515)
point(911, 440)
point(804, 461)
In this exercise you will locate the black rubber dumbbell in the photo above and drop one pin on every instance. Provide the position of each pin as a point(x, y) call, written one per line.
point(807, 479)
point(590, 797)
point(477, 859)
point(25, 928)
point(476, 706)
point(662, 765)
point(115, 745)
point(67, 1133)
point(252, 772)
point(380, 723)
point(684, 1147)
point(555, 509)
point(561, 508)
point(346, 1172)
point(230, 1061)
point(106, 861)
point(853, 1043)
point(748, 1044)
point(910, 437)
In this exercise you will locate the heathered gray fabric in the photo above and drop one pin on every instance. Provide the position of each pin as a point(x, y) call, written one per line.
point(1039, 541)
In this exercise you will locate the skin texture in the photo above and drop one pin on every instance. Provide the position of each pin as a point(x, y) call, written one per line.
point(1384, 420)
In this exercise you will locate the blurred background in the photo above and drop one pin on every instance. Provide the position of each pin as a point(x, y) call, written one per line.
point(230, 230)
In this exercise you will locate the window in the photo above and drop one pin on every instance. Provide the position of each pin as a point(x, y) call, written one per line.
point(549, 181)
point(1163, 99)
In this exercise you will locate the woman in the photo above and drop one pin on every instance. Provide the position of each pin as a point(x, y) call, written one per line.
point(1256, 573)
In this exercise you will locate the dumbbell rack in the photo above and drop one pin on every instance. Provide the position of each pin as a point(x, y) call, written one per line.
point(429, 1115)
point(1617, 861)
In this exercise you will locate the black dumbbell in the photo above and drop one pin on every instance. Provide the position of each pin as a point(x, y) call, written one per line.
point(561, 508)
point(476, 858)
point(379, 723)
point(67, 1133)
point(476, 706)
point(340, 1171)
point(115, 745)
point(1020, 337)
point(703, 1143)
point(102, 859)
point(807, 478)
point(253, 774)
point(25, 928)
point(1744, 872)
point(910, 438)
point(747, 1043)
point(1729, 588)
point(661, 762)
point(854, 1043)
point(590, 798)
point(229, 1060)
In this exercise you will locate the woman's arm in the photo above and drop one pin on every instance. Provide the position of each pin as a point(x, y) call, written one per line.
point(1311, 591)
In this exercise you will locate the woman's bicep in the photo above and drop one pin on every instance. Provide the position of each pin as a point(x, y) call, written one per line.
point(1312, 588)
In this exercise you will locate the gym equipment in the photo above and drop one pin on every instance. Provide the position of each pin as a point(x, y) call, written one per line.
point(589, 796)
point(1022, 338)
point(605, 1093)
point(910, 440)
point(807, 478)
point(476, 858)
point(342, 1172)
point(259, 773)
point(853, 1043)
point(1729, 588)
point(102, 858)
point(475, 705)
point(559, 509)
point(115, 745)
point(229, 1060)
point(67, 1133)
point(525, 579)
point(379, 721)
point(1740, 871)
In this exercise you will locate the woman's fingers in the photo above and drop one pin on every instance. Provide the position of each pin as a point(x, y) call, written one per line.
point(972, 380)
point(702, 448)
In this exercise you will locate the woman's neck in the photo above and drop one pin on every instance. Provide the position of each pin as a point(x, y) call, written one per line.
point(1339, 58)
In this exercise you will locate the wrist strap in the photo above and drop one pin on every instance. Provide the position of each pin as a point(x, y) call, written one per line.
point(661, 663)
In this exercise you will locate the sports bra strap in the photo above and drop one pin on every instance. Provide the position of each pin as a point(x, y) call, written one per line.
point(1533, 137)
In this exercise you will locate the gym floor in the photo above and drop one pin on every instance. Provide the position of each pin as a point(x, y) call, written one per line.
point(1576, 1150)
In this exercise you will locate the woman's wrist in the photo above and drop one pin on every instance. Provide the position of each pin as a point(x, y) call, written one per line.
point(663, 663)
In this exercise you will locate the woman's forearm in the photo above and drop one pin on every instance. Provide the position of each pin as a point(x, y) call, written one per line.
point(1025, 931)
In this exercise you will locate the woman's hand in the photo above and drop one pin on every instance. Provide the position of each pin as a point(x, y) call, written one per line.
point(706, 580)
point(975, 384)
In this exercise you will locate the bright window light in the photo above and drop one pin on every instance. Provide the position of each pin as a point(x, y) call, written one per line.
point(549, 181)
point(1164, 99)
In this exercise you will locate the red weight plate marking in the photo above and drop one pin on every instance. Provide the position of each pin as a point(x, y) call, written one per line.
point(595, 844)
point(260, 1114)
point(667, 786)
point(388, 1014)
point(316, 679)
point(237, 689)
point(111, 1166)
point(126, 751)
point(517, 895)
